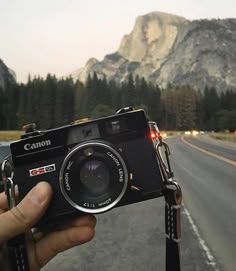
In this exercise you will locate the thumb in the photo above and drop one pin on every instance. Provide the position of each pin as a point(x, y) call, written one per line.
point(22, 217)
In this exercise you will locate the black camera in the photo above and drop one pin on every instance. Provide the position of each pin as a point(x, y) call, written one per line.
point(92, 166)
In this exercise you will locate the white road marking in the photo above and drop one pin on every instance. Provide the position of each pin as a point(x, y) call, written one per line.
point(204, 247)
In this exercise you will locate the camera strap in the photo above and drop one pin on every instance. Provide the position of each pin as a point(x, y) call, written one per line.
point(16, 247)
point(173, 200)
point(173, 197)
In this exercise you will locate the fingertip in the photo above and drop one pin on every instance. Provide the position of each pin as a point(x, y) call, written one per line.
point(45, 186)
point(81, 235)
point(84, 220)
point(89, 233)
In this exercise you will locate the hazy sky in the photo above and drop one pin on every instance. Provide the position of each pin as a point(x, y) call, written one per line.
point(59, 36)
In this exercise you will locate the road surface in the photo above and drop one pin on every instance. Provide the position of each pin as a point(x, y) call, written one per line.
point(132, 238)
point(207, 173)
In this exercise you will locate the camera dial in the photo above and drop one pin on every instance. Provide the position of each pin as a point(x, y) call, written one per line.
point(93, 177)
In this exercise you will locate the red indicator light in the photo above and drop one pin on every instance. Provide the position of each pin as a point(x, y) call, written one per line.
point(153, 135)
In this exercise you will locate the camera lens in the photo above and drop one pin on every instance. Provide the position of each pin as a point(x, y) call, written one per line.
point(95, 177)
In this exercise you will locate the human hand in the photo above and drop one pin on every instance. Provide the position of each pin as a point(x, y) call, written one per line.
point(42, 248)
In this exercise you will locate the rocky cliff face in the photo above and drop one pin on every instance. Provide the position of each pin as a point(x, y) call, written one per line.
point(165, 49)
point(6, 75)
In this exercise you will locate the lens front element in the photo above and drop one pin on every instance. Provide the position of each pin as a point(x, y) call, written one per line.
point(93, 177)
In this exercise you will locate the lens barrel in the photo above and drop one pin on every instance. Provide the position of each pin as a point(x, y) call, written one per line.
point(93, 177)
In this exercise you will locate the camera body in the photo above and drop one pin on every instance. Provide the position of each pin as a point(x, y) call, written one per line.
point(92, 166)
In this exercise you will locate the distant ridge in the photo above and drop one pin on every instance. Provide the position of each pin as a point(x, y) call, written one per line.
point(6, 75)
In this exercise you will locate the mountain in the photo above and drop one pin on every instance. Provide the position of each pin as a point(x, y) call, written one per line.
point(168, 49)
point(6, 75)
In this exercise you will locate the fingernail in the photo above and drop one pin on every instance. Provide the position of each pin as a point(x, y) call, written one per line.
point(39, 194)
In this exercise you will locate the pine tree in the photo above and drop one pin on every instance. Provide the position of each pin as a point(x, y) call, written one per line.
point(128, 92)
point(47, 102)
point(116, 97)
point(101, 111)
point(211, 105)
point(153, 102)
point(180, 108)
point(79, 101)
point(3, 115)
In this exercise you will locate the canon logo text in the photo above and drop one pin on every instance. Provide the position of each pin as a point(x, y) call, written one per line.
point(37, 145)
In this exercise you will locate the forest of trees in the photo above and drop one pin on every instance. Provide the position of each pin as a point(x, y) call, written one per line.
point(53, 102)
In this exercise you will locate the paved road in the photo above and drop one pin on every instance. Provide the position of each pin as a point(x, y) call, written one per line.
point(209, 187)
point(132, 237)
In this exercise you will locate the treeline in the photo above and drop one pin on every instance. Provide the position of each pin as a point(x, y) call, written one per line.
point(53, 102)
